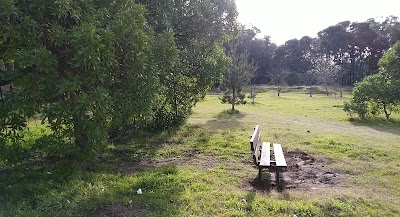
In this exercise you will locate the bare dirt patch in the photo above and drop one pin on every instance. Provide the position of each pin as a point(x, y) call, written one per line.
point(303, 172)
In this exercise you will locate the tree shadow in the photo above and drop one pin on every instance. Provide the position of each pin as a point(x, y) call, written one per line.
point(225, 120)
point(27, 184)
point(378, 123)
point(255, 103)
point(105, 186)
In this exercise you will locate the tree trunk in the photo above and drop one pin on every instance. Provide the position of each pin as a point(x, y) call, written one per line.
point(233, 99)
point(326, 89)
point(176, 106)
point(79, 132)
point(341, 91)
point(310, 91)
point(80, 136)
point(252, 94)
point(279, 90)
point(362, 70)
point(386, 113)
point(251, 90)
point(352, 72)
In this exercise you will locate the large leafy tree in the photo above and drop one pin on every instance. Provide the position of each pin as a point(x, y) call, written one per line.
point(337, 42)
point(389, 30)
point(296, 56)
point(357, 46)
point(390, 63)
point(82, 65)
point(197, 29)
point(260, 51)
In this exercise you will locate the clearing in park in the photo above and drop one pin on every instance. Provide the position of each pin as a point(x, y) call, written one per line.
point(335, 167)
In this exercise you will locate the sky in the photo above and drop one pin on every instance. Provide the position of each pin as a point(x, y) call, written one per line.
point(283, 20)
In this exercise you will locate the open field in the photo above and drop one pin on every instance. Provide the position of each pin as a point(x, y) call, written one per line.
point(337, 167)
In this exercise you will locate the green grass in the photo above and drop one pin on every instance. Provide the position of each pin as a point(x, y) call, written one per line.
point(205, 167)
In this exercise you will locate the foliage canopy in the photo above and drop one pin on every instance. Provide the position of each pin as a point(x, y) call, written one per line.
point(91, 67)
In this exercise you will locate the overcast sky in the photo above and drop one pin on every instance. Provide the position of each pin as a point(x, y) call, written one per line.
point(288, 19)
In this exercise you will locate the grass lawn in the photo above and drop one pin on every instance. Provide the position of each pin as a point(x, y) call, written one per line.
point(204, 168)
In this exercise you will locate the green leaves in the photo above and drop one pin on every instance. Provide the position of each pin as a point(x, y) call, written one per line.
point(390, 63)
point(187, 52)
point(57, 35)
point(89, 67)
point(76, 67)
point(374, 95)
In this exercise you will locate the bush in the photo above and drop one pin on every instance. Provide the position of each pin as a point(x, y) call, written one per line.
point(376, 94)
point(352, 108)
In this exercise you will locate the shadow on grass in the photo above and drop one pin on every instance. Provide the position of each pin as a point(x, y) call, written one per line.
point(107, 186)
point(264, 184)
point(226, 120)
point(379, 123)
point(254, 103)
point(267, 185)
point(82, 193)
point(97, 188)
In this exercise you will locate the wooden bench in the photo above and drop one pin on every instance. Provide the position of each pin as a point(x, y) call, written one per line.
point(262, 155)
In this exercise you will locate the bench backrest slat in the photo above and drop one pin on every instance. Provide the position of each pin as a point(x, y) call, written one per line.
point(255, 145)
point(279, 158)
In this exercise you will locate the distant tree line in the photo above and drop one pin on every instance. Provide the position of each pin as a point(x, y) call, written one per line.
point(355, 47)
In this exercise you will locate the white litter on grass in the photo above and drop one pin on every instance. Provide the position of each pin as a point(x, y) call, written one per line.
point(139, 191)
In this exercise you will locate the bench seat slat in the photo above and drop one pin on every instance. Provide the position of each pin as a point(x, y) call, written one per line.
point(265, 155)
point(279, 158)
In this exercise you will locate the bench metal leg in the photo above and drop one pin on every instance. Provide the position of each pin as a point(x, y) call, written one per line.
point(277, 176)
point(260, 173)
